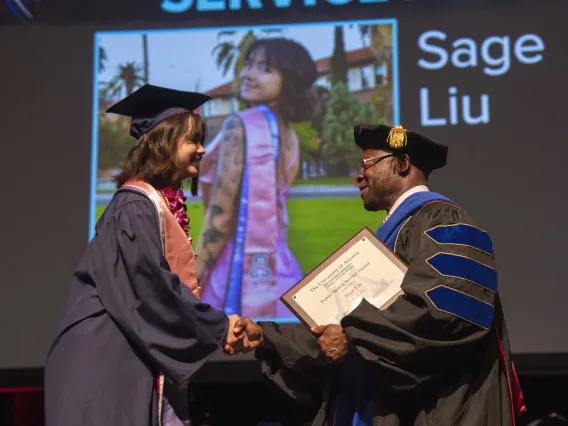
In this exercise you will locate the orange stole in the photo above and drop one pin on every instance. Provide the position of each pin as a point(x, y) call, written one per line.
point(176, 246)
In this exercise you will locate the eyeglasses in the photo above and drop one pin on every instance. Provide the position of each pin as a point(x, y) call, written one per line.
point(375, 160)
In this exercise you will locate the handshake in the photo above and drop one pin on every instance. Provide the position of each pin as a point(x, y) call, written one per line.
point(243, 335)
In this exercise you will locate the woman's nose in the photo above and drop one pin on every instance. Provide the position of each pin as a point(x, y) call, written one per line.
point(244, 73)
point(248, 73)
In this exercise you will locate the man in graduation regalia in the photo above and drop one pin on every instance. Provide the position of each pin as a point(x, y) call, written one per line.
point(134, 331)
point(439, 355)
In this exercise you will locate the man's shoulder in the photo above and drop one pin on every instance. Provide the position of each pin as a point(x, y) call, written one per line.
point(437, 207)
point(443, 212)
point(445, 226)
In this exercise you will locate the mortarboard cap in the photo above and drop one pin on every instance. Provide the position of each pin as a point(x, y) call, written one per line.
point(424, 153)
point(150, 105)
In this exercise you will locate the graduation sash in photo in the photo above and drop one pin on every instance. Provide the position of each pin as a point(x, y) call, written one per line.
point(253, 262)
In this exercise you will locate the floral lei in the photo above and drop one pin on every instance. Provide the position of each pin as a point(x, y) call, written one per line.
point(175, 200)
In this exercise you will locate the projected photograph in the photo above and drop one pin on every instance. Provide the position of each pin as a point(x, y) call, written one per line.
point(293, 93)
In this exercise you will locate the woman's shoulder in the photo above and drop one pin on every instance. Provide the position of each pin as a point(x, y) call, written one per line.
point(232, 131)
point(233, 122)
point(293, 135)
point(230, 136)
point(128, 202)
point(291, 139)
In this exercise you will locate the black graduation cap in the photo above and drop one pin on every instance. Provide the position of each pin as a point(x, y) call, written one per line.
point(424, 153)
point(150, 105)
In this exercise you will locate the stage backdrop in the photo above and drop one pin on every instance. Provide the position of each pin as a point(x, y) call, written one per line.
point(484, 77)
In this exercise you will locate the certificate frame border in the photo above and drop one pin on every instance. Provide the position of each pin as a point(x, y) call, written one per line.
point(288, 297)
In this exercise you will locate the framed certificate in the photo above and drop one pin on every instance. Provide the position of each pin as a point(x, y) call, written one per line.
point(363, 268)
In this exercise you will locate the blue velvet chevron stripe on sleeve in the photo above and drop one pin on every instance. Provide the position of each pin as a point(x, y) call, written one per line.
point(463, 305)
point(462, 234)
point(456, 266)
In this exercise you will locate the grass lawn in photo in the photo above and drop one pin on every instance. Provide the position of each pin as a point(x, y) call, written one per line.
point(317, 226)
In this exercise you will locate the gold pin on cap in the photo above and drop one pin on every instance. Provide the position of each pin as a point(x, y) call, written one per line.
point(397, 137)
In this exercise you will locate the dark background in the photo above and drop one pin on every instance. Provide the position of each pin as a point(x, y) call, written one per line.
point(508, 174)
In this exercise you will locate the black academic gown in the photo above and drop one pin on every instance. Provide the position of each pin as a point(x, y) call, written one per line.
point(127, 320)
point(413, 364)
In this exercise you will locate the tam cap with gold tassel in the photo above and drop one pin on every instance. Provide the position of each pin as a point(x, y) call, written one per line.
point(424, 152)
point(397, 137)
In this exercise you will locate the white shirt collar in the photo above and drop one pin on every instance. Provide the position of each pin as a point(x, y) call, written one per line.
point(399, 200)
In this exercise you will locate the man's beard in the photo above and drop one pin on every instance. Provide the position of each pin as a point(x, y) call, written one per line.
point(374, 201)
point(372, 204)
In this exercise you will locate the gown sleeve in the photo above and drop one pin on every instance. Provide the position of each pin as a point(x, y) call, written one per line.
point(446, 312)
point(292, 362)
point(157, 313)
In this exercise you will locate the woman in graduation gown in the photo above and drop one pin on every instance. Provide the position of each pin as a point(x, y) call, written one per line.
point(134, 331)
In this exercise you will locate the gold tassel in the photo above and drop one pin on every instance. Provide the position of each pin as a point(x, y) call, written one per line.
point(397, 137)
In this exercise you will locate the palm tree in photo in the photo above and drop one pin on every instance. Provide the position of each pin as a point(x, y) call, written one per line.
point(128, 79)
point(338, 61)
point(103, 58)
point(379, 39)
point(381, 44)
point(229, 53)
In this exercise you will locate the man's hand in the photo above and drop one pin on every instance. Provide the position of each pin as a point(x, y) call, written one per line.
point(231, 341)
point(332, 341)
point(249, 333)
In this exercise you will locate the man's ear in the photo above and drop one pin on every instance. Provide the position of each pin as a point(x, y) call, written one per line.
point(403, 164)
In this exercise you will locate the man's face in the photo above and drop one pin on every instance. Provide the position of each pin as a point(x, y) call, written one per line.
point(377, 179)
